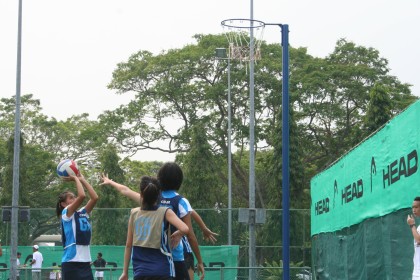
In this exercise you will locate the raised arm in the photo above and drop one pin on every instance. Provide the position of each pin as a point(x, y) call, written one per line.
point(122, 189)
point(93, 197)
point(208, 235)
point(71, 208)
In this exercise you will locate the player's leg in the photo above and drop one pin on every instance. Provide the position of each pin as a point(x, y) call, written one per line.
point(189, 263)
point(181, 272)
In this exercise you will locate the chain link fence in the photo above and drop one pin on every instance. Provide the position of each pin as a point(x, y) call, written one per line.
point(272, 273)
point(110, 226)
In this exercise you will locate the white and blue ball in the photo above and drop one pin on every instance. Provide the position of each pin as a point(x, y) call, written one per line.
point(67, 167)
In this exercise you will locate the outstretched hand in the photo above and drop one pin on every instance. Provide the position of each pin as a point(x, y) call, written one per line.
point(209, 236)
point(105, 179)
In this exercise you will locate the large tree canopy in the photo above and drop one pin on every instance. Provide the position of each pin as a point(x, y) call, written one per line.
point(181, 106)
point(180, 89)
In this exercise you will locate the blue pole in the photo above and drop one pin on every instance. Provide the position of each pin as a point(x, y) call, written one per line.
point(285, 152)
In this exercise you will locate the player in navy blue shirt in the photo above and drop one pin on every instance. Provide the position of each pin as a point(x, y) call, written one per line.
point(148, 239)
point(170, 178)
point(207, 233)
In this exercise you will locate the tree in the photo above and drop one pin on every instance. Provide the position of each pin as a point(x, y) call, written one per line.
point(76, 138)
point(45, 141)
point(333, 95)
point(329, 97)
point(110, 199)
point(379, 110)
point(299, 190)
point(201, 170)
point(35, 170)
point(184, 85)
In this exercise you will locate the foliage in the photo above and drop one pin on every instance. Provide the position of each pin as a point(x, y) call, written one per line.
point(273, 269)
point(44, 142)
point(202, 174)
point(379, 110)
point(181, 100)
point(329, 97)
point(34, 172)
point(109, 198)
point(332, 95)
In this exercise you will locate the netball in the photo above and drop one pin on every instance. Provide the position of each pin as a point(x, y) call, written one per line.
point(67, 167)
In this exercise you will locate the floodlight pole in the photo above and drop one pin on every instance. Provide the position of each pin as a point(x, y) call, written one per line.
point(229, 159)
point(285, 150)
point(221, 54)
point(251, 226)
point(16, 154)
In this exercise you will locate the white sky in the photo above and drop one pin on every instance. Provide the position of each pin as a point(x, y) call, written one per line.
point(70, 48)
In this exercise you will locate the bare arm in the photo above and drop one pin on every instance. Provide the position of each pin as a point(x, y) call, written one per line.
point(207, 233)
point(183, 229)
point(192, 239)
point(173, 219)
point(122, 189)
point(80, 196)
point(93, 197)
point(412, 223)
point(33, 261)
point(127, 251)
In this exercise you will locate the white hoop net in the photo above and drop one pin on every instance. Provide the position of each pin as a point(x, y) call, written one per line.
point(238, 34)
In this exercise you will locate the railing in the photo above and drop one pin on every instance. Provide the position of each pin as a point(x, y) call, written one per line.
point(218, 273)
point(105, 221)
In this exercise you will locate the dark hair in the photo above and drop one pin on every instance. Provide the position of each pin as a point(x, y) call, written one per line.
point(170, 176)
point(61, 198)
point(54, 264)
point(100, 254)
point(417, 198)
point(19, 254)
point(149, 190)
point(146, 180)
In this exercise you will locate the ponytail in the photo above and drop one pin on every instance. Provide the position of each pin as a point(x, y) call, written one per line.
point(61, 198)
point(150, 195)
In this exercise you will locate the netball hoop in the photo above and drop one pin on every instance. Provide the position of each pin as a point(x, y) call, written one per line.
point(238, 33)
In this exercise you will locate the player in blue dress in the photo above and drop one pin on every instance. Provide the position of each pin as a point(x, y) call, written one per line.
point(76, 229)
point(181, 267)
point(170, 177)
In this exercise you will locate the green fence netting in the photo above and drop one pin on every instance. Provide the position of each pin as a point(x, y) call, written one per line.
point(376, 249)
point(361, 202)
point(215, 257)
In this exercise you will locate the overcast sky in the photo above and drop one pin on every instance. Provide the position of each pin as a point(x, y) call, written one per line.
point(70, 48)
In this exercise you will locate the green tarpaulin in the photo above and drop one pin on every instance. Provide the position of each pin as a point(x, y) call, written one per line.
point(376, 178)
point(213, 256)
